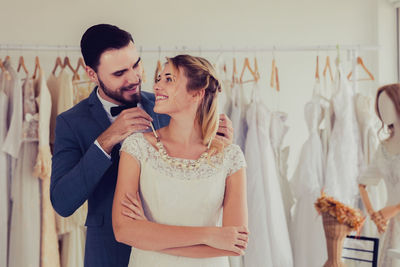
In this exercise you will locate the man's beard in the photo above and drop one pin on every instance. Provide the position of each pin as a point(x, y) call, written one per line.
point(117, 95)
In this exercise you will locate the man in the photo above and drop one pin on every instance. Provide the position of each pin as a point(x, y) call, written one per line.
point(88, 138)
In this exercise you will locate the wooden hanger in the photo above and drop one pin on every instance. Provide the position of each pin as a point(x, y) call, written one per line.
point(2, 66)
point(67, 63)
point(234, 73)
point(246, 65)
point(328, 67)
point(21, 63)
point(58, 64)
point(257, 73)
point(317, 69)
point(4, 70)
point(37, 67)
point(274, 82)
point(144, 77)
point(80, 63)
point(360, 62)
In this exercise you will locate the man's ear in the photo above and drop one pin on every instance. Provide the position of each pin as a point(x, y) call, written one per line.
point(92, 74)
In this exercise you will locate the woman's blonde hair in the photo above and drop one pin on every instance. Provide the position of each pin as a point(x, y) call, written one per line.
point(201, 75)
point(393, 92)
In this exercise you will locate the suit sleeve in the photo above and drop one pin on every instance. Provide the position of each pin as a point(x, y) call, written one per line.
point(74, 175)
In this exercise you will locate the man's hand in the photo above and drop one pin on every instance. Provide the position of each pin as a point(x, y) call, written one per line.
point(129, 121)
point(225, 130)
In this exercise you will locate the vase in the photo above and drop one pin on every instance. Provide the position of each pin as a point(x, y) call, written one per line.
point(335, 234)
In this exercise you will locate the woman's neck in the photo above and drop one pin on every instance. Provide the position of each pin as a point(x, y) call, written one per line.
point(183, 131)
point(393, 143)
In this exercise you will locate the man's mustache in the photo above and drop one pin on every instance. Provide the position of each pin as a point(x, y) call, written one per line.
point(131, 86)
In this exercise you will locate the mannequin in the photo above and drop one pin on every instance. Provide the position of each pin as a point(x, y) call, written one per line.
point(387, 105)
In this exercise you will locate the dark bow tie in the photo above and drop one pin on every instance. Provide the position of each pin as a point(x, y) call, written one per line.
point(115, 111)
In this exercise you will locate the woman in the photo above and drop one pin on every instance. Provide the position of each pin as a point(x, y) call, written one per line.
point(386, 165)
point(183, 177)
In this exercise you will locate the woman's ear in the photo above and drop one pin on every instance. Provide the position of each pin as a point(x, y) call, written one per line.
point(199, 94)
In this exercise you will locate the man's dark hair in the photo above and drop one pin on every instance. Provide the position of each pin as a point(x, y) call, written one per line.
point(100, 38)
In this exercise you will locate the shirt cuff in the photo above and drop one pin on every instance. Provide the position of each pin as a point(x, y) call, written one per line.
point(99, 146)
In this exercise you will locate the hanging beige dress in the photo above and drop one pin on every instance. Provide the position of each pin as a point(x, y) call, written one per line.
point(50, 256)
point(71, 230)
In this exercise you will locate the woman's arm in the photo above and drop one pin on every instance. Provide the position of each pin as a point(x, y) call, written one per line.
point(234, 214)
point(153, 236)
point(365, 199)
point(376, 217)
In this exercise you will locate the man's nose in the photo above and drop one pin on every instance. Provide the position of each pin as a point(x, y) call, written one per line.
point(134, 76)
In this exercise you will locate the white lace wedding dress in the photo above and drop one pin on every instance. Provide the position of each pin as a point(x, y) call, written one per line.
point(386, 166)
point(182, 197)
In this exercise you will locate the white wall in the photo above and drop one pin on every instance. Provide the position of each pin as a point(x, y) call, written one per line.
point(215, 24)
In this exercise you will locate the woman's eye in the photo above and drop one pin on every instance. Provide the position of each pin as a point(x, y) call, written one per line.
point(169, 79)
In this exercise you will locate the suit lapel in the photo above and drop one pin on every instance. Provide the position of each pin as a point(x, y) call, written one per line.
point(148, 106)
point(97, 110)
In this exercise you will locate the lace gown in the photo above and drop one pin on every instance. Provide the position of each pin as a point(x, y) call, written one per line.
point(343, 159)
point(387, 166)
point(175, 196)
point(308, 239)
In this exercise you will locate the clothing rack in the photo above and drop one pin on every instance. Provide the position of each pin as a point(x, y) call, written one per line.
point(270, 48)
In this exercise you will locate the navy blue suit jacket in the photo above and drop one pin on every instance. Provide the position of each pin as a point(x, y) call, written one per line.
point(81, 171)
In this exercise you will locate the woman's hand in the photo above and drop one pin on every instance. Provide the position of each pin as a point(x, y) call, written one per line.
point(231, 238)
point(134, 206)
point(379, 221)
point(389, 212)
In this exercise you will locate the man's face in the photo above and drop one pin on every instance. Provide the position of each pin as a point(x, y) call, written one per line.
point(119, 75)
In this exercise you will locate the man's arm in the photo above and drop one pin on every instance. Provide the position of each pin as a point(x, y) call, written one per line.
point(74, 175)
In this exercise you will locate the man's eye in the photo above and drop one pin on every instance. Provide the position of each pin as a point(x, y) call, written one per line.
point(118, 74)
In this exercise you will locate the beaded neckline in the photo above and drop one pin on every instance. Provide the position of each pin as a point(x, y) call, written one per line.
point(177, 162)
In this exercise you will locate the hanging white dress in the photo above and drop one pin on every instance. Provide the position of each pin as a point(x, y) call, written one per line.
point(368, 121)
point(278, 130)
point(4, 172)
point(238, 116)
point(386, 166)
point(308, 238)
point(25, 188)
point(325, 128)
point(224, 98)
point(182, 197)
point(258, 251)
point(343, 160)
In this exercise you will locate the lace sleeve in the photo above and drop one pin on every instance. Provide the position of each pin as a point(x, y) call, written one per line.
point(131, 145)
point(371, 175)
point(234, 159)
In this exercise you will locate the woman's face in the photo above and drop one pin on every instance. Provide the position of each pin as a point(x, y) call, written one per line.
point(171, 93)
point(387, 109)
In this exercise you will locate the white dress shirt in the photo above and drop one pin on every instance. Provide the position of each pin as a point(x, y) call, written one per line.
point(107, 105)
